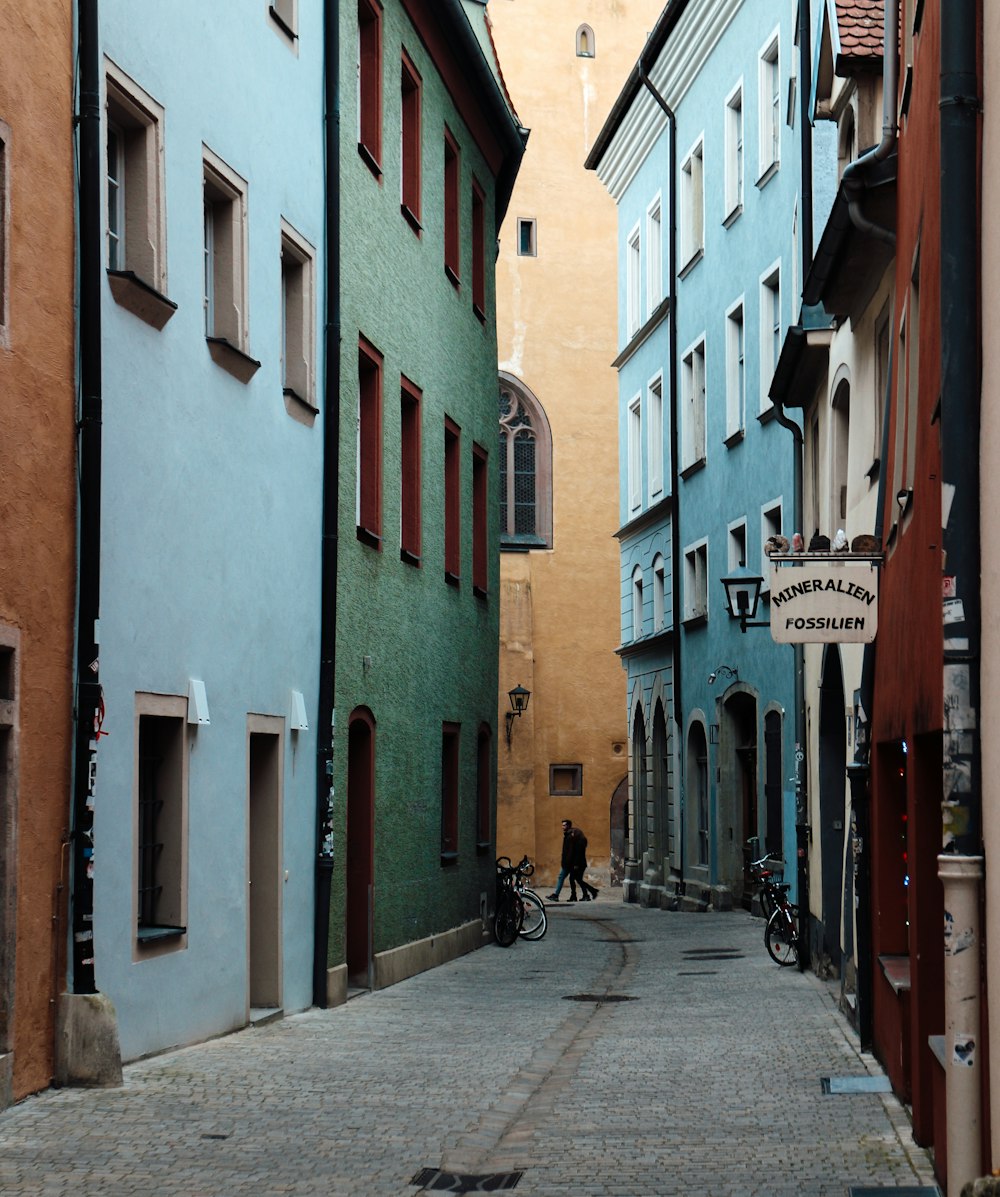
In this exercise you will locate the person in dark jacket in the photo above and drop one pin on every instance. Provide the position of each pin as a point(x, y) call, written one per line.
point(579, 855)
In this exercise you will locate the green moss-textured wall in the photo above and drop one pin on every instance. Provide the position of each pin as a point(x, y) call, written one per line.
point(411, 648)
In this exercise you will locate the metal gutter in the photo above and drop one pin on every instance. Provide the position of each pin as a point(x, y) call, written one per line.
point(325, 721)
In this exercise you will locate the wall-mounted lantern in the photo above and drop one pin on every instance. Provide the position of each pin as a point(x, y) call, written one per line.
point(519, 704)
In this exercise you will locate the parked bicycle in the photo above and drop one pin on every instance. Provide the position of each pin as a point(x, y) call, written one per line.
point(519, 910)
point(767, 878)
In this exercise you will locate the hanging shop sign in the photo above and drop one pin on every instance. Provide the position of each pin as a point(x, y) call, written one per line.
point(834, 601)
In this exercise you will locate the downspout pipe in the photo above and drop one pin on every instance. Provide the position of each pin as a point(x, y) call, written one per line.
point(88, 689)
point(325, 723)
point(805, 136)
point(675, 563)
point(961, 862)
point(853, 177)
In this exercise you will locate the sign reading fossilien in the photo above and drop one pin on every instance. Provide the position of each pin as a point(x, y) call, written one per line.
point(820, 603)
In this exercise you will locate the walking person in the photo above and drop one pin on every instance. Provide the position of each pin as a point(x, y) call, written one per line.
point(579, 854)
point(566, 862)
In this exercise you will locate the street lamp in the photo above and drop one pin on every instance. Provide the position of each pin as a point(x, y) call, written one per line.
point(519, 704)
point(742, 596)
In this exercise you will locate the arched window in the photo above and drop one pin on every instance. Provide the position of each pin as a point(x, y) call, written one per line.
point(585, 42)
point(697, 790)
point(638, 613)
point(525, 469)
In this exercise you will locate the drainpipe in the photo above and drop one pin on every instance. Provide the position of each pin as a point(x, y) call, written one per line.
point(89, 706)
point(853, 177)
point(805, 74)
point(325, 723)
point(961, 865)
point(675, 553)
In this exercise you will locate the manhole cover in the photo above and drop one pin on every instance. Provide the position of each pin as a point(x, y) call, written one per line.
point(463, 1182)
point(598, 997)
point(215, 1136)
point(855, 1084)
point(708, 972)
point(711, 951)
point(716, 956)
point(906, 1191)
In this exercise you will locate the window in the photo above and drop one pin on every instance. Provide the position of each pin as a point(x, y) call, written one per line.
point(840, 421)
point(693, 403)
point(659, 593)
point(770, 330)
point(298, 317)
point(585, 42)
point(285, 15)
point(737, 544)
point(410, 124)
point(161, 799)
point(736, 388)
point(480, 524)
point(450, 741)
point(484, 824)
point(370, 84)
point(734, 152)
point(913, 379)
point(883, 333)
point(770, 525)
point(638, 610)
point(409, 494)
point(633, 274)
point(697, 786)
point(566, 781)
point(655, 436)
point(526, 238)
point(696, 581)
point(654, 255)
point(478, 251)
point(4, 236)
point(525, 457)
point(769, 108)
point(451, 214)
point(369, 456)
point(136, 221)
point(692, 205)
point(452, 502)
point(225, 300)
point(635, 454)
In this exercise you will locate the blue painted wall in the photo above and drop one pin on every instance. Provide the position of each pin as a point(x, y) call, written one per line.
point(211, 534)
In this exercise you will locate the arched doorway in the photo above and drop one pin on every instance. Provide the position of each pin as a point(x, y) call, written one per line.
point(696, 789)
point(738, 815)
point(660, 835)
point(832, 775)
point(619, 831)
point(640, 833)
point(359, 904)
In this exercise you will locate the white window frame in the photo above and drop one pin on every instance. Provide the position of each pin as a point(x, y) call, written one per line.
point(735, 153)
point(692, 197)
point(659, 592)
point(768, 529)
point(654, 434)
point(694, 392)
point(654, 253)
point(736, 368)
point(633, 282)
point(635, 454)
point(696, 605)
point(769, 119)
point(736, 539)
point(770, 317)
point(638, 605)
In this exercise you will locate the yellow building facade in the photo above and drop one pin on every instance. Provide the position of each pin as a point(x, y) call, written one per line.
point(560, 612)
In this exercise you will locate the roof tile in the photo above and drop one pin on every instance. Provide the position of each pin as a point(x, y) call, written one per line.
point(861, 28)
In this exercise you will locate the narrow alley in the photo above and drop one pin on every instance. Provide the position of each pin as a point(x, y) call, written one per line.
point(704, 1078)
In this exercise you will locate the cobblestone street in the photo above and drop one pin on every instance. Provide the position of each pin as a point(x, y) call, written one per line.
point(706, 1083)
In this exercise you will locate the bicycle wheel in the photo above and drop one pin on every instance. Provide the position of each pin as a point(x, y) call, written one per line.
point(781, 937)
point(506, 922)
point(536, 921)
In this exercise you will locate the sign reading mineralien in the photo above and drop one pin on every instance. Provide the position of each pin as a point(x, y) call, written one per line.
point(824, 604)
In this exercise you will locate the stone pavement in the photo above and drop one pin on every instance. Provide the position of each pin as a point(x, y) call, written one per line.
point(706, 1084)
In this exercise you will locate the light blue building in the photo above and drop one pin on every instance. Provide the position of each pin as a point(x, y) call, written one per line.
point(701, 153)
point(205, 802)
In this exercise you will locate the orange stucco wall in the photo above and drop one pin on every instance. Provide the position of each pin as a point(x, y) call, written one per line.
point(556, 314)
point(37, 495)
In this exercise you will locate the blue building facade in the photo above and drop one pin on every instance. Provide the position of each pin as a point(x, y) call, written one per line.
point(705, 123)
point(205, 803)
